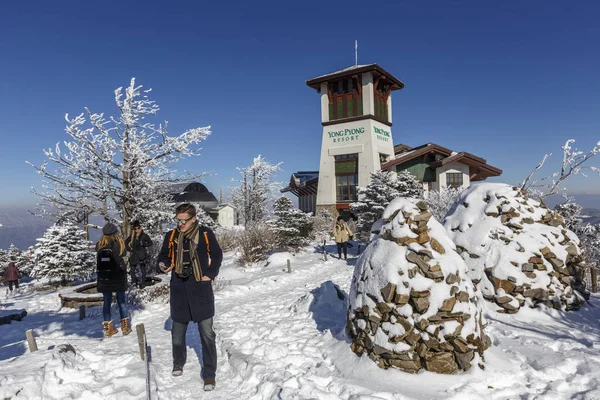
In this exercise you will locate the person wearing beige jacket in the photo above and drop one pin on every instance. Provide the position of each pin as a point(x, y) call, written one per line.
point(342, 233)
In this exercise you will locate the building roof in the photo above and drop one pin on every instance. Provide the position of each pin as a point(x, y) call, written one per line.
point(303, 183)
point(193, 192)
point(478, 167)
point(315, 83)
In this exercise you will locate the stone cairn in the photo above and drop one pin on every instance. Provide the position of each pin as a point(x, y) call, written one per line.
point(521, 253)
point(411, 304)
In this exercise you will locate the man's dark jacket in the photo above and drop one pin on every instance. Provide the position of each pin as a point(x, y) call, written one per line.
point(192, 300)
point(137, 249)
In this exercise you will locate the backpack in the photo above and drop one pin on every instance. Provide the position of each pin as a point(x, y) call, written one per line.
point(105, 261)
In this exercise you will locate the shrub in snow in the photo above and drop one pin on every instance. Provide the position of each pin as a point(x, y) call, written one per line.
point(255, 243)
point(64, 255)
point(411, 303)
point(517, 250)
point(228, 238)
point(385, 186)
point(440, 202)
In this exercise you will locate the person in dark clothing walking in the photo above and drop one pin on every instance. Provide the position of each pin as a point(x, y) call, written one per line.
point(192, 253)
point(137, 244)
point(12, 275)
point(112, 277)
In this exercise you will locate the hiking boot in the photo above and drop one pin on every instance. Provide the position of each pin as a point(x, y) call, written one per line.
point(209, 384)
point(109, 329)
point(177, 370)
point(125, 328)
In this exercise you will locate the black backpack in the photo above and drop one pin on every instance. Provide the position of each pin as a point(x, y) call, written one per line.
point(106, 265)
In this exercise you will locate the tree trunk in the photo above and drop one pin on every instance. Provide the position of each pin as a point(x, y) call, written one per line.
point(594, 273)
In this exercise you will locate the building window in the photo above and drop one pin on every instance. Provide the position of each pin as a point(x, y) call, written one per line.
point(345, 99)
point(383, 158)
point(381, 93)
point(346, 177)
point(454, 180)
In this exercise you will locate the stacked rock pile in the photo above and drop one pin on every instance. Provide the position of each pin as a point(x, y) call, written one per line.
point(518, 251)
point(412, 305)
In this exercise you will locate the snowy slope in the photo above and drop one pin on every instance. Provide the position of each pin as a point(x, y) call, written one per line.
point(280, 336)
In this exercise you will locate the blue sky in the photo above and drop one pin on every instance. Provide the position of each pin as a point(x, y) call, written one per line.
point(507, 81)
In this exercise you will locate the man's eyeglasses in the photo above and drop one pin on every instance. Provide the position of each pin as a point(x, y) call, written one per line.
point(182, 221)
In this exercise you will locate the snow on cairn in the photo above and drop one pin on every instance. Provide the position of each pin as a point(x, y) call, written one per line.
point(517, 250)
point(411, 303)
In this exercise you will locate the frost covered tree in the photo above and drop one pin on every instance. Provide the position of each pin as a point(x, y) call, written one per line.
point(256, 190)
point(440, 202)
point(26, 261)
point(572, 164)
point(292, 226)
point(375, 197)
point(588, 234)
point(120, 163)
point(323, 224)
point(64, 255)
point(570, 212)
point(13, 254)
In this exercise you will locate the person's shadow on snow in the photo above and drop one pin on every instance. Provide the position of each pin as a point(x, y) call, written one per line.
point(328, 308)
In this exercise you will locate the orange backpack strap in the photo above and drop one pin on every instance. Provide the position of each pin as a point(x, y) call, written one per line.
point(207, 247)
point(172, 247)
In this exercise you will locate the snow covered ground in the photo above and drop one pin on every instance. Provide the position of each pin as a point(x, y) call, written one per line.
point(281, 336)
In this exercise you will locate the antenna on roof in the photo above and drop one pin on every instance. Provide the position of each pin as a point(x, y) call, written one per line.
point(356, 52)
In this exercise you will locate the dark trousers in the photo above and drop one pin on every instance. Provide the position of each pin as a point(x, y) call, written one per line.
point(132, 269)
point(345, 247)
point(108, 302)
point(11, 283)
point(207, 339)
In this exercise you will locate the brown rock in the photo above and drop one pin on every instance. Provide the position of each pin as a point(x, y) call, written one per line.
point(423, 238)
point(452, 278)
point(448, 304)
point(421, 304)
point(415, 259)
point(464, 359)
point(384, 308)
point(422, 205)
point(435, 245)
point(388, 291)
point(406, 366)
point(503, 299)
point(527, 267)
point(556, 263)
point(414, 293)
point(422, 324)
point(425, 253)
point(424, 216)
point(412, 338)
point(401, 299)
point(535, 260)
point(462, 296)
point(441, 363)
point(405, 324)
point(508, 286)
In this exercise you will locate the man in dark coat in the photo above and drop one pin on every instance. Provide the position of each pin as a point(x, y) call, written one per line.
point(137, 243)
point(193, 254)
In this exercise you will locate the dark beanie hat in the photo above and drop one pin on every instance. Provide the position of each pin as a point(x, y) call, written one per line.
point(136, 224)
point(109, 229)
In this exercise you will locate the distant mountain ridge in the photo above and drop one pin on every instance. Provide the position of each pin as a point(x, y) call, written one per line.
point(20, 228)
point(590, 215)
